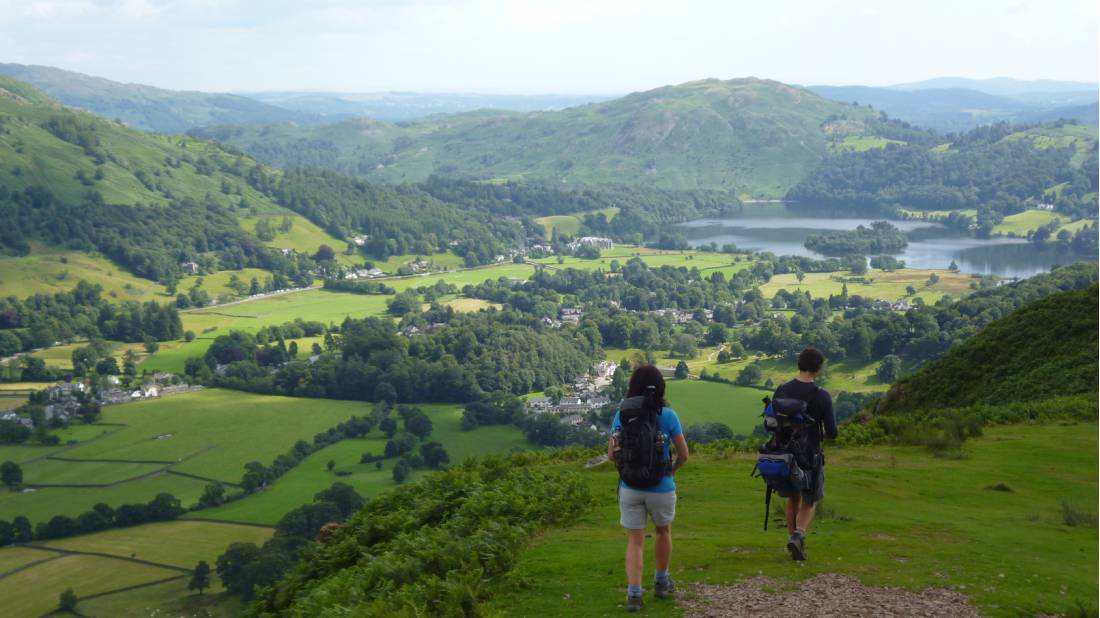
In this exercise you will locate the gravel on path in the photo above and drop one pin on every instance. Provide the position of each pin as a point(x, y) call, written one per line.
point(828, 594)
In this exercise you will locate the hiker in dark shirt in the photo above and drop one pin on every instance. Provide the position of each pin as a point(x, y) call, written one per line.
point(801, 507)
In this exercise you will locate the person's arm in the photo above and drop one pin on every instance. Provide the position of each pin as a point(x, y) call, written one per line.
point(681, 452)
point(613, 449)
point(828, 417)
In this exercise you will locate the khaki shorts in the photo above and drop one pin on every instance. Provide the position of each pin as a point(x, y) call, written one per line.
point(634, 505)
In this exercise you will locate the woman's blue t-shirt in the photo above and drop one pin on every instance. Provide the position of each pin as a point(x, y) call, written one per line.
point(669, 423)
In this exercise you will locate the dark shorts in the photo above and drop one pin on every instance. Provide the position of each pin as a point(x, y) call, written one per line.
point(816, 491)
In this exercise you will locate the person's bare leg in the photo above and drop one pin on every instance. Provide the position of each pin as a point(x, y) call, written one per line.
point(792, 509)
point(806, 512)
point(635, 546)
point(662, 547)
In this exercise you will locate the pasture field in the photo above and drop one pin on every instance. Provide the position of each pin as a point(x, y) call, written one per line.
point(888, 285)
point(15, 556)
point(893, 516)
point(21, 453)
point(217, 284)
point(460, 278)
point(471, 305)
point(706, 262)
point(177, 543)
point(697, 401)
point(34, 591)
point(569, 225)
point(201, 432)
point(172, 355)
point(318, 305)
point(1076, 225)
point(299, 485)
point(6, 387)
point(167, 599)
point(304, 237)
point(41, 504)
point(59, 472)
point(845, 375)
point(861, 143)
point(47, 270)
point(705, 357)
point(79, 432)
point(1021, 223)
point(448, 261)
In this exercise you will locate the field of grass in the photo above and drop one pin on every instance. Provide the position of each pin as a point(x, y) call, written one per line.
point(888, 285)
point(706, 262)
point(49, 270)
point(217, 284)
point(319, 305)
point(1021, 223)
point(172, 355)
point(304, 237)
point(203, 430)
point(20, 453)
point(469, 305)
point(893, 516)
point(79, 432)
point(299, 485)
point(861, 143)
point(1076, 225)
point(58, 472)
point(42, 504)
point(14, 557)
point(35, 591)
point(846, 375)
point(168, 599)
point(696, 401)
point(176, 543)
point(471, 276)
point(569, 225)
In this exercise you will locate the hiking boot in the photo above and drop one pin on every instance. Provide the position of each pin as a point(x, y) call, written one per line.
point(664, 590)
point(634, 604)
point(797, 546)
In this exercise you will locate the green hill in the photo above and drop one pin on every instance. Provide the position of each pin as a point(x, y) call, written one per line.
point(755, 137)
point(146, 107)
point(1042, 350)
point(152, 202)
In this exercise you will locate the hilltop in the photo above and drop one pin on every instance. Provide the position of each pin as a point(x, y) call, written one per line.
point(750, 136)
point(147, 107)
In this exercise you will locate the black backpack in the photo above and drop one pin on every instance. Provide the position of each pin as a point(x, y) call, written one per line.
point(788, 458)
point(642, 462)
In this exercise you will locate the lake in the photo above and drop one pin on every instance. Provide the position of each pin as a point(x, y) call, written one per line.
point(783, 234)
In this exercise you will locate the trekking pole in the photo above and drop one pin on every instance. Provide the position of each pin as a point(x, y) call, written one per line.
point(767, 505)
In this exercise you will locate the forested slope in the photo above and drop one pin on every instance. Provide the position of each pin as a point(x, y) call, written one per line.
point(1042, 350)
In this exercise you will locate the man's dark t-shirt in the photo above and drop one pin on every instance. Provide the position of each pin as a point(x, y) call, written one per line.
point(819, 405)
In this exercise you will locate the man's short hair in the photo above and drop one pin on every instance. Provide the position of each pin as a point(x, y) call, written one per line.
point(811, 360)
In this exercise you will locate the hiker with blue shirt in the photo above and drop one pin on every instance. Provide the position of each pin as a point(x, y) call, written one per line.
point(641, 434)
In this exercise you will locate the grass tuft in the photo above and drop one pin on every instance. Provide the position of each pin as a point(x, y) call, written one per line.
point(1077, 517)
point(1000, 487)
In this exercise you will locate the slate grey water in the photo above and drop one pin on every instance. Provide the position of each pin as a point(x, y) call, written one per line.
point(783, 234)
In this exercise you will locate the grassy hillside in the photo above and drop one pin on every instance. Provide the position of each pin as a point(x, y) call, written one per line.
point(755, 137)
point(146, 107)
point(1044, 349)
point(893, 516)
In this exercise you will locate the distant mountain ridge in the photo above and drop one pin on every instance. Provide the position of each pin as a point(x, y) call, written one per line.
point(405, 106)
point(752, 136)
point(1000, 86)
point(955, 108)
point(146, 107)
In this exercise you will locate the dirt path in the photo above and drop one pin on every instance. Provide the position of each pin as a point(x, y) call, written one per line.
point(825, 595)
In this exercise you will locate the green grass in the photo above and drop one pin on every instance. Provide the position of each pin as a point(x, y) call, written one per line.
point(1021, 223)
point(169, 599)
point(49, 270)
point(176, 543)
point(80, 432)
point(696, 401)
point(58, 472)
point(888, 285)
point(35, 591)
point(13, 557)
point(1076, 225)
point(893, 516)
point(42, 504)
point(304, 236)
point(707, 263)
point(213, 433)
point(172, 355)
point(20, 453)
point(861, 143)
point(299, 485)
point(217, 284)
point(569, 225)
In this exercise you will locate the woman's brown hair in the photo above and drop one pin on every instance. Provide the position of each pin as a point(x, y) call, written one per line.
point(647, 381)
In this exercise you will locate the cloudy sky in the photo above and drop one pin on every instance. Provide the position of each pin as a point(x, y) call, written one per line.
point(562, 46)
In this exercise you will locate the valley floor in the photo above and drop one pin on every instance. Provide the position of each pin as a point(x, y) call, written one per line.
point(991, 526)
